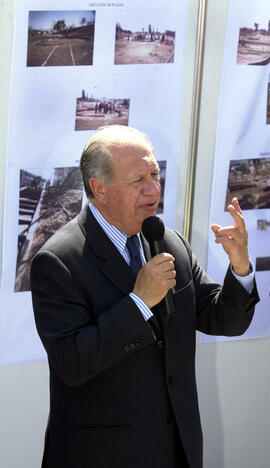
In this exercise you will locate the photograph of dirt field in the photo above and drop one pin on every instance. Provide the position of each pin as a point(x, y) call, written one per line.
point(263, 245)
point(48, 200)
point(254, 42)
point(60, 38)
point(145, 39)
point(249, 181)
point(92, 112)
point(268, 104)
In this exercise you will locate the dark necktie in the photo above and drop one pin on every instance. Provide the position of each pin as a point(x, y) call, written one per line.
point(133, 246)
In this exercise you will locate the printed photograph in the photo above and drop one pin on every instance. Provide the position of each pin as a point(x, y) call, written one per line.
point(249, 181)
point(162, 168)
point(254, 41)
point(145, 37)
point(60, 38)
point(49, 198)
point(263, 245)
point(94, 110)
point(268, 103)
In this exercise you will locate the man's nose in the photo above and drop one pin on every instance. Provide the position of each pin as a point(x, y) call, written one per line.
point(152, 187)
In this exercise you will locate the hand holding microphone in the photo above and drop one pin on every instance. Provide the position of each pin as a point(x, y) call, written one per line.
point(157, 276)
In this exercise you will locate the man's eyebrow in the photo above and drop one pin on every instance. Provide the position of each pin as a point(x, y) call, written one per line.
point(156, 169)
point(137, 176)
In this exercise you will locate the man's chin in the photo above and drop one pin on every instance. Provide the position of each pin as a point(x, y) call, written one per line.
point(150, 211)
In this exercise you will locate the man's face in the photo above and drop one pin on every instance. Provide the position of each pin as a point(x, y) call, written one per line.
point(134, 192)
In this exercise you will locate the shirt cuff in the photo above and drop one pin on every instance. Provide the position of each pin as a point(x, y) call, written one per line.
point(144, 309)
point(246, 281)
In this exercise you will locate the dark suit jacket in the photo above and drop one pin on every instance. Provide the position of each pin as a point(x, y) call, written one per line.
point(114, 390)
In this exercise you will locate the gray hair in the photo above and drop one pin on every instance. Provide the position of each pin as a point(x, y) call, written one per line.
point(97, 156)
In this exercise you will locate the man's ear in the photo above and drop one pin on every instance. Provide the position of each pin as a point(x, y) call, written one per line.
point(98, 188)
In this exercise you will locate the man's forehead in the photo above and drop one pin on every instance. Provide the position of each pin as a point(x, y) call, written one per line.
point(149, 157)
point(136, 152)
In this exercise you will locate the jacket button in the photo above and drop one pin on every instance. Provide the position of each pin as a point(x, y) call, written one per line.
point(126, 349)
point(170, 419)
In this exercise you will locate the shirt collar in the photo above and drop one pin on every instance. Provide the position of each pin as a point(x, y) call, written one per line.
point(119, 238)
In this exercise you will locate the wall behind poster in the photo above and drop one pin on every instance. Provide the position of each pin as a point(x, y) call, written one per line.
point(242, 156)
point(76, 66)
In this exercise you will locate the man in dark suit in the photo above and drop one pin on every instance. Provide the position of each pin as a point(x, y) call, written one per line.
point(122, 376)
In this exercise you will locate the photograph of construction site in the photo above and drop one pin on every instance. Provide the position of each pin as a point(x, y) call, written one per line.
point(60, 38)
point(268, 103)
point(249, 181)
point(162, 174)
point(49, 198)
point(263, 245)
point(93, 110)
point(254, 41)
point(145, 37)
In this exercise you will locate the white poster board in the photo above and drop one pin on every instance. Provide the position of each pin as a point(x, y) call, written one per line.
point(242, 155)
point(78, 65)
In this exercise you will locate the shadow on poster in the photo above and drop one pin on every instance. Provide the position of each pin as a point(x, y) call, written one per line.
point(263, 245)
point(145, 37)
point(249, 181)
point(60, 38)
point(48, 200)
point(254, 41)
point(93, 112)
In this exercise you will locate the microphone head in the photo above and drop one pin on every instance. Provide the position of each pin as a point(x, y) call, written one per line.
point(153, 229)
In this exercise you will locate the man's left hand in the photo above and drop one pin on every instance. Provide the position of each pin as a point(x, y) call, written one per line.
point(234, 239)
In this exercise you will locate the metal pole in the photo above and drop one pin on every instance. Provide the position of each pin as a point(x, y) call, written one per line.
point(198, 71)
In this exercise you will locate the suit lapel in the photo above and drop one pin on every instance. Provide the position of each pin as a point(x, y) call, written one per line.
point(114, 266)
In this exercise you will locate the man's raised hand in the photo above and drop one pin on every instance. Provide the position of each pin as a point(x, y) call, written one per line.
point(234, 239)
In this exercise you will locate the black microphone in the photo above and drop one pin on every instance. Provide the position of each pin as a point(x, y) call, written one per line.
point(153, 230)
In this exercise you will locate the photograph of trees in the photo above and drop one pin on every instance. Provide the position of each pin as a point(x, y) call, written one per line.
point(60, 38)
